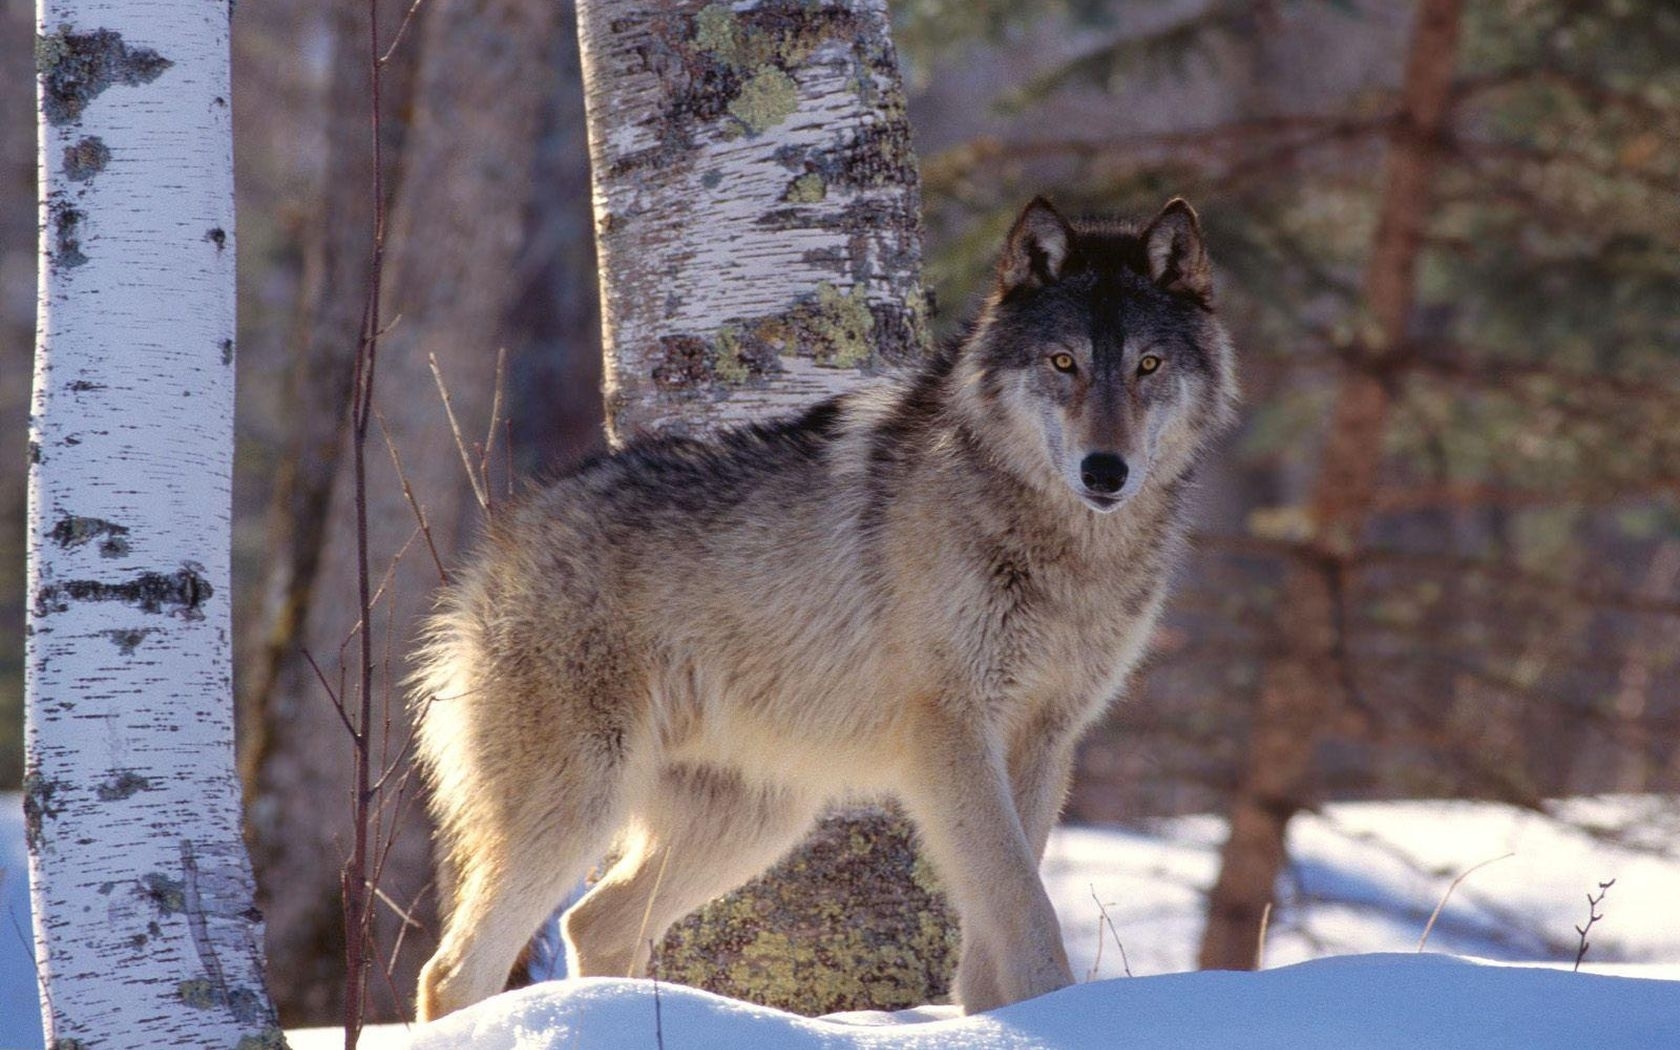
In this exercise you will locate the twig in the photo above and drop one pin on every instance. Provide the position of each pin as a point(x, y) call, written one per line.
point(408, 494)
point(1260, 939)
point(353, 877)
point(1592, 917)
point(29, 953)
point(337, 701)
point(455, 428)
point(647, 913)
point(1442, 903)
point(495, 417)
point(401, 29)
point(658, 1017)
point(1102, 917)
point(408, 920)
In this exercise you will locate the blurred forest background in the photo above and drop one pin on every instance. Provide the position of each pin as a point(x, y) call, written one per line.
point(1441, 557)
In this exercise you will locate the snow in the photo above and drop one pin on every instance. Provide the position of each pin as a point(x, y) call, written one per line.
point(1364, 879)
point(1370, 1001)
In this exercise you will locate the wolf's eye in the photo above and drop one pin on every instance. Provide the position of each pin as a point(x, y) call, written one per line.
point(1147, 364)
point(1062, 362)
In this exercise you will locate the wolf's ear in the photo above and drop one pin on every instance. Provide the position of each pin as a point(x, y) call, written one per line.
point(1178, 260)
point(1036, 248)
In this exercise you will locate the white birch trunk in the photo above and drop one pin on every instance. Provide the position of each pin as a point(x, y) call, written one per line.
point(145, 934)
point(758, 214)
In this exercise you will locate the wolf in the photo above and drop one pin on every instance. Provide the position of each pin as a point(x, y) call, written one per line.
point(927, 589)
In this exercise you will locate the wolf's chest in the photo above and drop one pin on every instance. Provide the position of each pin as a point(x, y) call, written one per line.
point(1060, 629)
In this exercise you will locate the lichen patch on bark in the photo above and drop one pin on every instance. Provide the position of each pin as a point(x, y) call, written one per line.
point(86, 158)
point(781, 944)
point(766, 100)
point(834, 328)
point(736, 67)
point(76, 67)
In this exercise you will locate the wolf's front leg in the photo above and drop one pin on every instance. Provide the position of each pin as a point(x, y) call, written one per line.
point(1040, 769)
point(957, 788)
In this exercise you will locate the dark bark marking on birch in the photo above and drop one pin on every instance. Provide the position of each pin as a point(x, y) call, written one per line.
point(76, 67)
point(168, 895)
point(86, 158)
point(72, 531)
point(182, 592)
point(122, 785)
point(217, 236)
point(227, 351)
point(66, 221)
point(38, 807)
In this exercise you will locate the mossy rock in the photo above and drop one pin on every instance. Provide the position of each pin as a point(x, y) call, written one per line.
point(852, 920)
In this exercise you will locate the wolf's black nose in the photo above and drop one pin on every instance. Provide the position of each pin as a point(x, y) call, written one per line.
point(1103, 473)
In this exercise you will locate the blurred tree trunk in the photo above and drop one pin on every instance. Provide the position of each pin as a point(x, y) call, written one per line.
point(145, 934)
point(758, 217)
point(333, 289)
point(455, 231)
point(553, 400)
point(1300, 691)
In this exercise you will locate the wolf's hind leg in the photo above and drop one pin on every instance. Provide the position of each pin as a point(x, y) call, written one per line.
point(707, 833)
point(509, 881)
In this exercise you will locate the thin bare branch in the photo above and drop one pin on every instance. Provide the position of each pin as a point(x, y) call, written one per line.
point(408, 494)
point(396, 40)
point(495, 417)
point(455, 428)
point(332, 694)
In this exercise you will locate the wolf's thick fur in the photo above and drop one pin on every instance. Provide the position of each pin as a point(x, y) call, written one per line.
point(687, 648)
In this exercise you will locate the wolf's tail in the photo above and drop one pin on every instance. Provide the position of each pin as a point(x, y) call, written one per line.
point(444, 689)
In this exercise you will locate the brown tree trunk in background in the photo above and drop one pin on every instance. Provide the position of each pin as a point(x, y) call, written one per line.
point(758, 214)
point(323, 346)
point(1299, 691)
point(553, 397)
point(455, 232)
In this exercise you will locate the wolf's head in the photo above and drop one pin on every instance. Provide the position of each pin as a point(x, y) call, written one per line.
point(1099, 352)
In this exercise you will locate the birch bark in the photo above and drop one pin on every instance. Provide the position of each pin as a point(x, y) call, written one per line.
point(145, 932)
point(758, 214)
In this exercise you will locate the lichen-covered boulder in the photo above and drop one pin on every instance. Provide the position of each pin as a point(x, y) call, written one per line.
point(852, 920)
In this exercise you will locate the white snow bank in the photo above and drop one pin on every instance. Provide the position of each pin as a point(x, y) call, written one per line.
point(1372, 1002)
point(1363, 878)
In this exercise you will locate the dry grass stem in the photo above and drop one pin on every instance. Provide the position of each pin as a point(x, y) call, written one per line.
point(1442, 903)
